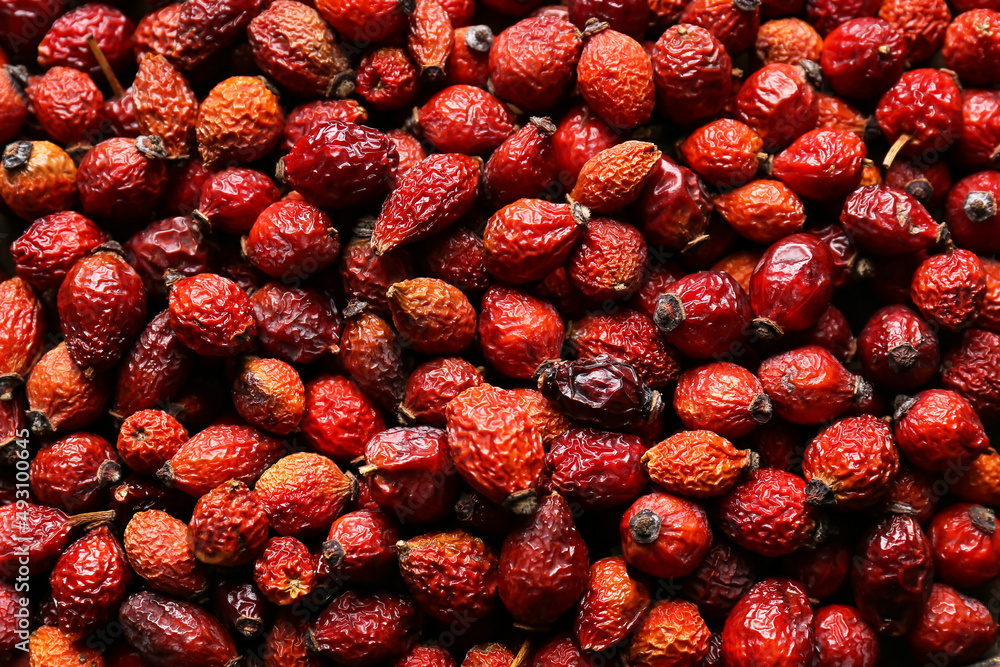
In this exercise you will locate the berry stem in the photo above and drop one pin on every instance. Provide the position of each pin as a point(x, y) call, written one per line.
point(105, 66)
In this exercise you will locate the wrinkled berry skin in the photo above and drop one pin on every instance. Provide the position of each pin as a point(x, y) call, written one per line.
point(665, 536)
point(627, 335)
point(292, 240)
point(791, 286)
point(410, 473)
point(608, 260)
point(691, 73)
point(239, 122)
point(672, 633)
point(89, 581)
point(937, 429)
point(164, 105)
point(579, 136)
point(67, 104)
point(705, 315)
point(971, 211)
point(320, 165)
point(863, 58)
point(61, 396)
point(532, 62)
point(432, 385)
point(102, 307)
point(885, 221)
point(611, 606)
point(228, 526)
point(808, 385)
point(359, 548)
point(952, 626)
point(295, 324)
point(697, 464)
point(971, 44)
point(724, 576)
point(850, 463)
point(49, 248)
point(172, 244)
point(768, 514)
point(503, 461)
point(625, 99)
point(528, 239)
point(232, 199)
point(294, 46)
point(892, 574)
point(387, 79)
point(603, 391)
point(615, 177)
point(64, 44)
point(158, 549)
point(303, 493)
point(822, 164)
point(148, 438)
point(596, 469)
point(543, 565)
point(843, 638)
point(451, 575)
point(465, 119)
point(949, 289)
point(965, 544)
point(116, 180)
point(925, 104)
point(772, 624)
point(364, 21)
point(339, 417)
point(970, 368)
point(977, 145)
point(170, 632)
point(74, 472)
point(366, 629)
point(22, 327)
point(285, 571)
point(721, 397)
point(898, 350)
point(518, 332)
point(211, 315)
point(155, 369)
point(43, 183)
point(778, 103)
point(48, 645)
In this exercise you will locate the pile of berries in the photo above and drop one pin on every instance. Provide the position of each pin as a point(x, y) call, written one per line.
point(426, 333)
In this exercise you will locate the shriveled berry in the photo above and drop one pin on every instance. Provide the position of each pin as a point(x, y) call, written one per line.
point(305, 117)
point(465, 119)
point(721, 397)
point(970, 368)
point(155, 369)
point(724, 576)
point(691, 73)
point(431, 387)
point(170, 632)
point(979, 142)
point(159, 551)
point(723, 152)
point(239, 122)
point(518, 332)
point(228, 526)
point(886, 221)
point(169, 246)
point(296, 324)
point(627, 335)
point(612, 604)
point(937, 429)
point(952, 625)
point(65, 43)
point(697, 464)
point(603, 391)
point(47, 249)
point(808, 385)
point(596, 469)
point(822, 164)
point(451, 575)
point(89, 581)
point(432, 316)
point(768, 514)
point(367, 629)
point(850, 463)
point(615, 177)
point(387, 79)
point(543, 565)
point(61, 397)
point(364, 22)
point(49, 645)
point(608, 260)
point(37, 178)
point(787, 40)
point(532, 63)
point(777, 102)
point(791, 286)
point(579, 136)
point(372, 353)
point(921, 113)
point(785, 637)
point(116, 180)
point(67, 104)
point(733, 23)
point(949, 289)
point(970, 46)
point(705, 314)
point(665, 536)
point(211, 315)
point(898, 350)
point(674, 207)
point(863, 57)
point(972, 210)
point(148, 439)
point(626, 98)
point(339, 418)
point(965, 544)
point(285, 571)
point(165, 105)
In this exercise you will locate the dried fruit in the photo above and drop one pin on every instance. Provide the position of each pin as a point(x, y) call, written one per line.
point(165, 105)
point(51, 646)
point(705, 315)
point(366, 629)
point(724, 576)
point(116, 180)
point(339, 418)
point(21, 331)
point(786, 636)
point(211, 315)
point(372, 353)
point(603, 391)
point(464, 119)
point(239, 122)
point(596, 469)
point(155, 370)
point(291, 240)
point(532, 63)
point(615, 177)
point(673, 633)
point(89, 581)
point(170, 632)
point(543, 565)
point(431, 387)
point(73, 472)
point(296, 324)
point(665, 536)
point(359, 548)
point(67, 104)
point(629, 336)
point(158, 548)
point(949, 289)
point(432, 316)
point(49, 248)
point(285, 571)
point(897, 349)
point(518, 332)
point(791, 287)
point(808, 385)
point(37, 178)
point(608, 260)
point(303, 493)
point(778, 103)
point(768, 513)
point(615, 77)
point(228, 526)
point(937, 429)
point(723, 398)
point(965, 545)
point(697, 464)
point(61, 397)
point(952, 625)
point(850, 463)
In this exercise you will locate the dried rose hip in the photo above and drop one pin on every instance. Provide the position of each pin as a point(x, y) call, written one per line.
point(615, 177)
point(155, 370)
point(898, 350)
point(305, 117)
point(915, 492)
point(228, 526)
point(89, 581)
point(387, 79)
point(67, 104)
point(217, 454)
point(169, 246)
point(723, 398)
point(61, 396)
point(580, 135)
point(891, 578)
point(768, 514)
point(864, 57)
point(502, 460)
point(47, 249)
point(232, 199)
point(360, 547)
point(612, 604)
point(970, 368)
point(148, 439)
point(364, 22)
point(850, 463)
point(704, 315)
point(949, 289)
point(293, 45)
point(37, 178)
point(972, 211)
point(528, 239)
point(664, 535)
point(674, 207)
point(596, 469)
point(691, 73)
point(465, 119)
point(978, 146)
point(787, 40)
point(843, 637)
point(116, 180)
point(922, 113)
point(431, 387)
point(159, 550)
point(452, 575)
point(791, 287)
point(627, 335)
point(887, 221)
point(366, 629)
point(532, 62)
point(543, 565)
point(509, 319)
point(787, 637)
point(303, 492)
point(102, 307)
point(724, 576)
point(297, 325)
point(970, 46)
point(469, 60)
point(697, 464)
point(49, 645)
point(608, 260)
point(626, 98)
point(291, 240)
point(22, 330)
point(285, 571)
point(822, 164)
point(211, 315)
point(723, 152)
point(241, 607)
point(965, 544)
point(431, 197)
point(938, 428)
point(240, 121)
point(953, 626)
point(603, 391)
point(165, 105)
point(170, 632)
point(339, 418)
point(808, 385)
point(777, 102)
point(432, 316)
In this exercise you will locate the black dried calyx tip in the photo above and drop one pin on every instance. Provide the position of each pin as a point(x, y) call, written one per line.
point(645, 526)
point(819, 494)
point(151, 146)
point(17, 155)
point(980, 206)
point(479, 38)
point(903, 358)
point(669, 313)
